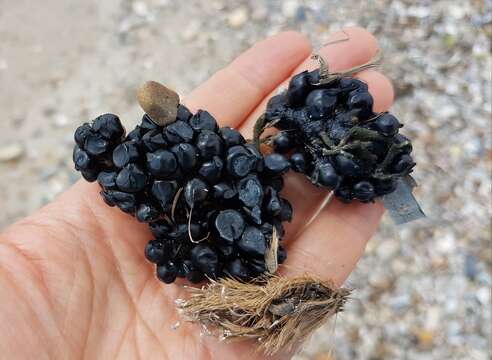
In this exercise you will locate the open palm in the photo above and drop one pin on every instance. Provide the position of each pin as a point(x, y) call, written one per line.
point(74, 282)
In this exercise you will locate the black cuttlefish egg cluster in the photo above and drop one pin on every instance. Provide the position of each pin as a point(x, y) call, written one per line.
point(332, 135)
point(211, 200)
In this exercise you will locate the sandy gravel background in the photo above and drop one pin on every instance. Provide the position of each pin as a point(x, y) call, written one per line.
point(423, 290)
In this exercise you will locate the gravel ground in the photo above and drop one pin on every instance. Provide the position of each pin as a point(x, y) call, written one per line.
point(424, 289)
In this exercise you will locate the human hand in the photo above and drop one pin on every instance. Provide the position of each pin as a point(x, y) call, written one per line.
point(74, 281)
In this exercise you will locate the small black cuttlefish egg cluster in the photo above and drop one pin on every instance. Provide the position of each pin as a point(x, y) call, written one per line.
point(211, 200)
point(332, 135)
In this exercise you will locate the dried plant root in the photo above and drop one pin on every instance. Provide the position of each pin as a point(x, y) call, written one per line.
point(280, 313)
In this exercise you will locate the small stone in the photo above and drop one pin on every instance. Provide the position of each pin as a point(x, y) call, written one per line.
point(289, 8)
point(471, 267)
point(60, 120)
point(301, 14)
point(238, 17)
point(148, 64)
point(11, 152)
point(191, 31)
point(425, 338)
point(159, 102)
point(433, 318)
point(140, 8)
point(446, 243)
point(400, 303)
point(483, 295)
point(387, 250)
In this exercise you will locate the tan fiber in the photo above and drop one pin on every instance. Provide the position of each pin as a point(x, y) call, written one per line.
point(280, 313)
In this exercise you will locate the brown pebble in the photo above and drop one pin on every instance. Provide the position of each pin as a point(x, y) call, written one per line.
point(159, 102)
point(425, 338)
point(11, 152)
